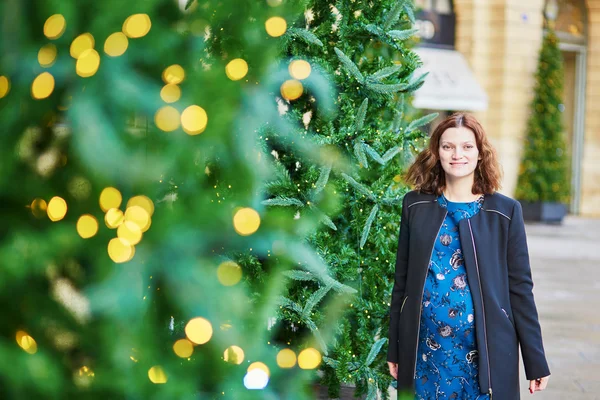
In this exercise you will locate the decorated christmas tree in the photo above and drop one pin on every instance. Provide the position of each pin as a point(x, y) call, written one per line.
point(543, 174)
point(132, 178)
point(351, 184)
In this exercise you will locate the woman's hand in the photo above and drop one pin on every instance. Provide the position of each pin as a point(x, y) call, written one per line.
point(536, 385)
point(393, 369)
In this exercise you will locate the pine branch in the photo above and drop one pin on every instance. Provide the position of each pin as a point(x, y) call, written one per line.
point(402, 34)
point(414, 85)
point(323, 179)
point(374, 154)
point(398, 114)
point(361, 188)
point(385, 72)
point(298, 275)
point(393, 15)
point(408, 8)
point(360, 115)
point(374, 351)
point(417, 123)
point(390, 154)
point(283, 201)
point(350, 66)
point(367, 227)
point(387, 89)
point(188, 4)
point(305, 35)
point(314, 299)
point(289, 304)
point(331, 362)
point(359, 152)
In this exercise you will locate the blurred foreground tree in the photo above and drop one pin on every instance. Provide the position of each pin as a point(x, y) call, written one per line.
point(131, 171)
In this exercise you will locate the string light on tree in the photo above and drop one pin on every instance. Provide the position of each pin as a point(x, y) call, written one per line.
point(116, 44)
point(183, 348)
point(309, 358)
point(129, 233)
point(234, 355)
point(229, 273)
point(236, 69)
point(110, 197)
point(4, 86)
point(246, 221)
point(199, 330)
point(299, 69)
point(167, 119)
point(170, 93)
point(113, 218)
point(88, 63)
point(26, 342)
point(174, 74)
point(57, 209)
point(143, 202)
point(55, 26)
point(157, 375)
point(259, 365)
point(80, 44)
point(119, 251)
point(42, 86)
point(84, 376)
point(276, 26)
point(87, 226)
point(138, 216)
point(47, 55)
point(256, 379)
point(194, 120)
point(291, 89)
point(38, 207)
point(286, 358)
point(137, 26)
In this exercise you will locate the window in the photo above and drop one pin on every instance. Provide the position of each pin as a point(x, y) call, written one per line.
point(569, 17)
point(438, 6)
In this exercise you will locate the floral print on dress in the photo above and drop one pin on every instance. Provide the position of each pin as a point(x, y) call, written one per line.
point(447, 352)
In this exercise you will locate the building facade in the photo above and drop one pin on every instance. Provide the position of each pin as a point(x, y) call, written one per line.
point(501, 39)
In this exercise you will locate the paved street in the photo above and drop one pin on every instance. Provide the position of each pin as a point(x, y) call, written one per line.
point(566, 270)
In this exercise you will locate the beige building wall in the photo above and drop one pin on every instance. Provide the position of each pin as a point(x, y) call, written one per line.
point(501, 40)
point(590, 185)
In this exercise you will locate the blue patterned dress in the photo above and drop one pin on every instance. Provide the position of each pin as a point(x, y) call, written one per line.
point(447, 353)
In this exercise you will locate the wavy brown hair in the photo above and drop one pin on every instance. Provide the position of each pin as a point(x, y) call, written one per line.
point(427, 175)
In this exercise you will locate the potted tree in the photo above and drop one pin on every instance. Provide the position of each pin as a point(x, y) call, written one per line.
point(543, 184)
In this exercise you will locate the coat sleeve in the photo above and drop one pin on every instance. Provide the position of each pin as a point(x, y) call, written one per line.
point(399, 284)
point(522, 301)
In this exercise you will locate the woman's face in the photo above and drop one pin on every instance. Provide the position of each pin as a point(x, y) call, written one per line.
point(458, 153)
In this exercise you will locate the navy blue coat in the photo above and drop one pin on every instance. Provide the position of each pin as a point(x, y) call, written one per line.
point(497, 262)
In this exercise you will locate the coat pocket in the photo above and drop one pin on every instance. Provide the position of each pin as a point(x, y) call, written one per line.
point(508, 317)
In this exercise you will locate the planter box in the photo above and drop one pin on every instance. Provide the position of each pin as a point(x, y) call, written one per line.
point(550, 213)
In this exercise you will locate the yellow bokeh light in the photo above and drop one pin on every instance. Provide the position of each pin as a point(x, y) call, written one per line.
point(173, 74)
point(291, 89)
point(138, 216)
point(142, 201)
point(110, 197)
point(116, 44)
point(199, 330)
point(194, 120)
point(84, 376)
point(157, 375)
point(309, 358)
point(170, 93)
point(299, 69)
point(39, 207)
point(80, 44)
point(137, 25)
point(129, 233)
point(167, 119)
point(88, 63)
point(47, 55)
point(55, 26)
point(113, 218)
point(183, 348)
point(246, 221)
point(259, 365)
point(229, 273)
point(57, 208)
point(236, 69)
point(119, 251)
point(4, 86)
point(234, 355)
point(42, 86)
point(276, 26)
point(286, 358)
point(26, 342)
point(87, 226)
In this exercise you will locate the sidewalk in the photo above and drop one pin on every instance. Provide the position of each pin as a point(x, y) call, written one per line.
point(565, 262)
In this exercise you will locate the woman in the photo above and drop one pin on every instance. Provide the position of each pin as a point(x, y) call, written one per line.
point(462, 301)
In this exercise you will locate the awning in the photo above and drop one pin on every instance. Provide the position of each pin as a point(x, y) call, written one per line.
point(450, 84)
